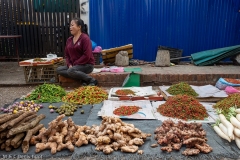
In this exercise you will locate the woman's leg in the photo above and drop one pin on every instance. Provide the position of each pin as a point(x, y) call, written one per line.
point(63, 71)
point(81, 72)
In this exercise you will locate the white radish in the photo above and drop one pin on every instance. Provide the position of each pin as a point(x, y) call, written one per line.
point(237, 140)
point(238, 117)
point(237, 110)
point(235, 122)
point(221, 134)
point(228, 125)
point(236, 132)
point(223, 128)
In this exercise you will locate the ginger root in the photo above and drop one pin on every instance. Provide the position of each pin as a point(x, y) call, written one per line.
point(81, 140)
point(129, 149)
point(140, 152)
point(191, 151)
point(173, 135)
point(136, 141)
point(113, 134)
point(107, 149)
point(103, 140)
point(49, 145)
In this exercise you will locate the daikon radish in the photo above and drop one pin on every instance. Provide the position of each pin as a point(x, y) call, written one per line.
point(223, 128)
point(238, 117)
point(228, 125)
point(236, 132)
point(235, 122)
point(220, 133)
point(237, 110)
point(237, 140)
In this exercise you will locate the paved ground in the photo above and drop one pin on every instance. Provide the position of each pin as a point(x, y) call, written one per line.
point(13, 75)
point(13, 85)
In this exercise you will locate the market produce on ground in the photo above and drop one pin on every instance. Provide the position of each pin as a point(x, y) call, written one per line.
point(24, 106)
point(86, 95)
point(183, 107)
point(226, 103)
point(126, 110)
point(182, 88)
point(228, 125)
point(66, 108)
point(47, 93)
point(233, 81)
point(112, 134)
point(17, 129)
point(172, 136)
point(124, 92)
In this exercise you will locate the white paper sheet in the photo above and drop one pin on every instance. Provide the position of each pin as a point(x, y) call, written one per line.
point(210, 119)
point(145, 113)
point(205, 91)
point(139, 92)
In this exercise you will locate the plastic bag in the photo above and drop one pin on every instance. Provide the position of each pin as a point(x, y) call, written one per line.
point(117, 69)
point(93, 45)
point(104, 69)
point(231, 90)
point(222, 84)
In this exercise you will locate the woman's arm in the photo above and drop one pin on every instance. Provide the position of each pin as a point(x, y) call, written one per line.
point(87, 52)
point(67, 57)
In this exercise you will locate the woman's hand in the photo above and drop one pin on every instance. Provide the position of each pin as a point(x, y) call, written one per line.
point(70, 66)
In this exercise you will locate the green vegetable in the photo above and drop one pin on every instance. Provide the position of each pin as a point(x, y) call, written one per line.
point(182, 88)
point(47, 93)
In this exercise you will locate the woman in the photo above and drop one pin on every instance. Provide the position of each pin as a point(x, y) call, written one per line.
point(78, 54)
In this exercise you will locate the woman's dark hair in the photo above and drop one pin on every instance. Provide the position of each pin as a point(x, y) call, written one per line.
point(80, 22)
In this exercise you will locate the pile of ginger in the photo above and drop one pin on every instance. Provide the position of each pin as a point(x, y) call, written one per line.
point(60, 135)
point(112, 134)
point(173, 135)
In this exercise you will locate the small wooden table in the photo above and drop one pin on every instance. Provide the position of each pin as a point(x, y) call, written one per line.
point(15, 38)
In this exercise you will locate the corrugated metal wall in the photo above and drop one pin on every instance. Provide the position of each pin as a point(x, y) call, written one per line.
point(191, 25)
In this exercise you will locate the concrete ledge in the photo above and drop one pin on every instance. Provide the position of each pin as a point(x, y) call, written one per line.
point(107, 79)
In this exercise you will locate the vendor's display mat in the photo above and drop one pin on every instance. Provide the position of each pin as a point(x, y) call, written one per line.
point(221, 148)
point(212, 115)
point(146, 111)
point(139, 92)
point(206, 93)
point(78, 118)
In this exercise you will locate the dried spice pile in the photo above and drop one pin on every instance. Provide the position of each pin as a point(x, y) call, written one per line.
point(226, 103)
point(183, 107)
point(47, 93)
point(86, 95)
point(126, 110)
point(181, 88)
point(124, 92)
point(233, 81)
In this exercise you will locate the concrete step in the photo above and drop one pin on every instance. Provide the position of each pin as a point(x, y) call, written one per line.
point(107, 79)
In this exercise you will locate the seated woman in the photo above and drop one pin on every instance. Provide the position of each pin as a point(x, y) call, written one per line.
point(78, 54)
